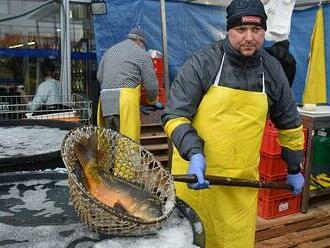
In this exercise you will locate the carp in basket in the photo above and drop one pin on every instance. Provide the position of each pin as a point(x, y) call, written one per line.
point(113, 193)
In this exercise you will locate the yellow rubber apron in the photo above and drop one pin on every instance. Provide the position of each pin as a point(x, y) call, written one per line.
point(231, 123)
point(129, 112)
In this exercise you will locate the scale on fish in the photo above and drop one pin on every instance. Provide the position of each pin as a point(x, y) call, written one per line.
point(115, 193)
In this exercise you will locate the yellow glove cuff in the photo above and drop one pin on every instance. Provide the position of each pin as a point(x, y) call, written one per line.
point(292, 138)
point(174, 123)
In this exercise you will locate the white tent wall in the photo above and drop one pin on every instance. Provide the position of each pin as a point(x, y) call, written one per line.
point(299, 3)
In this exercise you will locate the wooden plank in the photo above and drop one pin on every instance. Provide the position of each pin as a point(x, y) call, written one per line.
point(324, 243)
point(263, 224)
point(278, 242)
point(156, 147)
point(161, 158)
point(310, 230)
point(153, 135)
point(310, 235)
point(295, 239)
point(152, 125)
point(293, 227)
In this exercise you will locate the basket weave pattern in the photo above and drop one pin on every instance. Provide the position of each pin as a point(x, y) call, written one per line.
point(128, 162)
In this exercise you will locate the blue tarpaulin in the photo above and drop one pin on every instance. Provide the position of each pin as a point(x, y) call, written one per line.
point(191, 26)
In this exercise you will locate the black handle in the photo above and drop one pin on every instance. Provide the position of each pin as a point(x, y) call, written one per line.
point(229, 181)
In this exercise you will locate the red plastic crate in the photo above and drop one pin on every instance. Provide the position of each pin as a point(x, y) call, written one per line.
point(158, 65)
point(160, 78)
point(158, 69)
point(270, 126)
point(272, 167)
point(270, 144)
point(161, 96)
point(143, 99)
point(281, 206)
point(274, 193)
point(305, 137)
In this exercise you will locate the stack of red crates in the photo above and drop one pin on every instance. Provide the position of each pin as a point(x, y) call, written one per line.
point(274, 203)
point(158, 68)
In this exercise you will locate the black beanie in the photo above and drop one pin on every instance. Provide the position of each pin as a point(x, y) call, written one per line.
point(241, 12)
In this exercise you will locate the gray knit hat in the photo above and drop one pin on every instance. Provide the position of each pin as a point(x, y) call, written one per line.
point(240, 12)
point(137, 34)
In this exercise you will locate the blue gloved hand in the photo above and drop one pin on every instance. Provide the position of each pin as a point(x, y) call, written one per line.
point(297, 182)
point(145, 110)
point(158, 105)
point(197, 167)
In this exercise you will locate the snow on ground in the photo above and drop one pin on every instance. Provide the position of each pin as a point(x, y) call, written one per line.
point(29, 140)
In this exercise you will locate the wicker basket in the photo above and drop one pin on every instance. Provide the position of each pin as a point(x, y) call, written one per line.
point(134, 165)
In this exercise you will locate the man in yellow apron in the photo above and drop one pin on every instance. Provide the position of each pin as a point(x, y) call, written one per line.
point(215, 116)
point(123, 69)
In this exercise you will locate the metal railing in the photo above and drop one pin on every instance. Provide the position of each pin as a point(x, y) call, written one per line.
point(75, 108)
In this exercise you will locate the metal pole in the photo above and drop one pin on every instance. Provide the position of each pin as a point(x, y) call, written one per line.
point(68, 47)
point(63, 67)
point(65, 51)
point(164, 44)
point(166, 72)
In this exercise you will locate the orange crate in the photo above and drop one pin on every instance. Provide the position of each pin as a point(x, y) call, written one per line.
point(274, 193)
point(281, 206)
point(272, 167)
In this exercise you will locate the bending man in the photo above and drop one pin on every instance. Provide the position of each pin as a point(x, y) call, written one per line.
point(123, 69)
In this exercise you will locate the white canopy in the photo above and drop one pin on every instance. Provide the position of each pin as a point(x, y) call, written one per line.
point(226, 2)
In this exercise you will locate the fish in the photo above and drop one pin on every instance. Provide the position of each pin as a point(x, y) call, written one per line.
point(114, 193)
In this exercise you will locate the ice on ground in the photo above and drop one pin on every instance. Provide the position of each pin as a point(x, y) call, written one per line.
point(29, 140)
point(35, 199)
point(38, 213)
point(176, 233)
